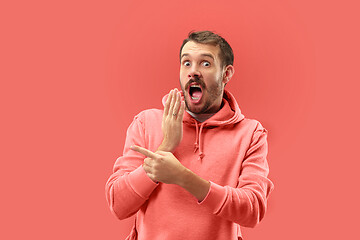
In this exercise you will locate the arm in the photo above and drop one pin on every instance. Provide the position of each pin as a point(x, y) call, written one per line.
point(164, 167)
point(128, 188)
point(245, 204)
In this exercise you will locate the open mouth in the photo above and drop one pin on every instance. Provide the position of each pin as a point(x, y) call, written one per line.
point(195, 92)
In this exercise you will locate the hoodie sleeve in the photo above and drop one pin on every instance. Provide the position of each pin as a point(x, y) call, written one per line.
point(245, 204)
point(128, 188)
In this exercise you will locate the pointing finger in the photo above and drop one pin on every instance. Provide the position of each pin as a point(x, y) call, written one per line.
point(144, 151)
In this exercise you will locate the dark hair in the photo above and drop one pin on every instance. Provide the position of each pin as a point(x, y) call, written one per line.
point(208, 37)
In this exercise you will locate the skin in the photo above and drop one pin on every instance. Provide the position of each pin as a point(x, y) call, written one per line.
point(201, 63)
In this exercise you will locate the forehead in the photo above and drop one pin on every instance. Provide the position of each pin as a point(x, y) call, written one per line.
point(194, 49)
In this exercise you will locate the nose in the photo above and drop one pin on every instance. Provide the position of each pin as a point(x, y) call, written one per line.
point(194, 72)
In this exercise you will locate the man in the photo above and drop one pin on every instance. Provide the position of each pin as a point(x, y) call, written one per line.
point(197, 169)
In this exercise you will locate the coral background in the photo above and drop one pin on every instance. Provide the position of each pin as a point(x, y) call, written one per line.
point(74, 73)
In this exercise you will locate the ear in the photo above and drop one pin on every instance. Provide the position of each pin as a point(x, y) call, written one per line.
point(228, 73)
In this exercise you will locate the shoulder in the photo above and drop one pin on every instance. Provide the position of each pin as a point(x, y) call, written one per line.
point(253, 126)
point(149, 116)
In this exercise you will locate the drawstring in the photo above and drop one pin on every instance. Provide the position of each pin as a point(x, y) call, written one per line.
point(198, 140)
point(196, 145)
point(201, 154)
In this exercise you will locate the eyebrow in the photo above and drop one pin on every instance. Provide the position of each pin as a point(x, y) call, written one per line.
point(204, 55)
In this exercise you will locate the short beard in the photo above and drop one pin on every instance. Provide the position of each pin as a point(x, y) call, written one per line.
point(213, 92)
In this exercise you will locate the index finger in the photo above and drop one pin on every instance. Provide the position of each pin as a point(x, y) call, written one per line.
point(144, 151)
point(167, 103)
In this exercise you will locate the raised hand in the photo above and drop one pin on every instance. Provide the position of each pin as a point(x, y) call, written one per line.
point(161, 166)
point(172, 122)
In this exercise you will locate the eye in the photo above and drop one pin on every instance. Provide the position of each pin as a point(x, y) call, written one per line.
point(186, 63)
point(206, 64)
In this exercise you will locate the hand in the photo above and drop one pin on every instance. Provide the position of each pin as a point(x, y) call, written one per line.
point(171, 125)
point(161, 166)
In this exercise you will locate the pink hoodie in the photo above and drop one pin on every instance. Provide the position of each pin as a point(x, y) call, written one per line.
point(228, 150)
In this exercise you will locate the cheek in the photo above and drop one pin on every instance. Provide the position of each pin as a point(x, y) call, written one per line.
point(183, 74)
point(182, 84)
point(210, 79)
point(183, 78)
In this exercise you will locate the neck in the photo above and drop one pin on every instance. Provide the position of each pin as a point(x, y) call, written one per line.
point(201, 117)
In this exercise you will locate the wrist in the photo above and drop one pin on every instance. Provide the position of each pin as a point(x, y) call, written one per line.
point(183, 179)
point(194, 184)
point(166, 147)
point(181, 176)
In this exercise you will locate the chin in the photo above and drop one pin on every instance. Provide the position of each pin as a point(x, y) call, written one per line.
point(197, 109)
point(193, 109)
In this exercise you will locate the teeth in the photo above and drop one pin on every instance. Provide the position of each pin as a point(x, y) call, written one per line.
point(195, 86)
point(194, 98)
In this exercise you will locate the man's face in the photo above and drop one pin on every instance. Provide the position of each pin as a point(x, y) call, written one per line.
point(201, 77)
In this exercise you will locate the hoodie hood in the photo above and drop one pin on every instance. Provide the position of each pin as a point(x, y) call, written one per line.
point(230, 113)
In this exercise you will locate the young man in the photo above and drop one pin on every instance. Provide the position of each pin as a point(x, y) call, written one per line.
point(198, 168)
